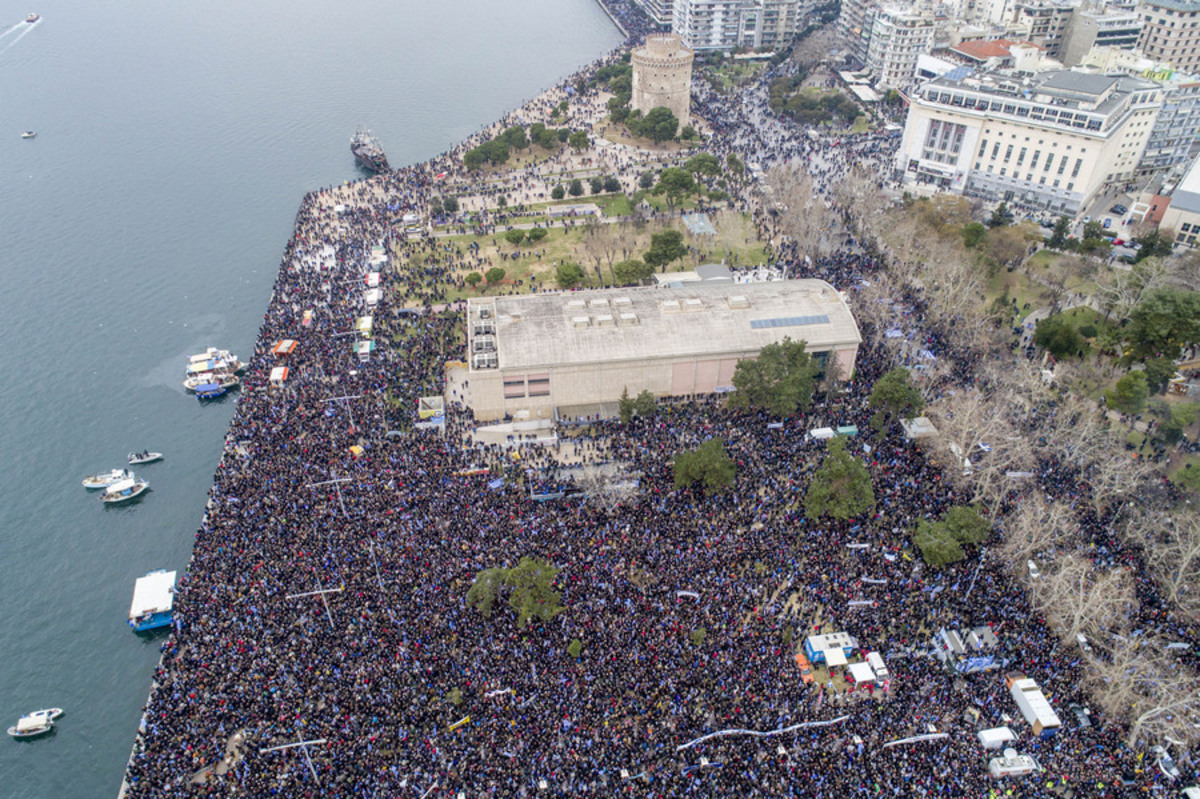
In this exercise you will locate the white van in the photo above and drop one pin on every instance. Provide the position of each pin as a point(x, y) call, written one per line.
point(996, 737)
point(875, 660)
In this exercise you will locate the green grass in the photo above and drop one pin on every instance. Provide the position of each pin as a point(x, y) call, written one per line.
point(1192, 481)
point(614, 205)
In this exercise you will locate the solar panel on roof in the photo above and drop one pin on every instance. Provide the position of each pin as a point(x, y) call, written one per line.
point(789, 321)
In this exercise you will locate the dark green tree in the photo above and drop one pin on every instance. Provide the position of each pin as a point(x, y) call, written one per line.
point(578, 141)
point(780, 381)
point(475, 158)
point(688, 133)
point(611, 184)
point(973, 234)
point(1156, 242)
point(709, 464)
point(659, 125)
point(646, 179)
point(1058, 237)
point(841, 487)
point(514, 237)
point(1164, 322)
point(450, 205)
point(533, 594)
point(965, 524)
point(665, 247)
point(1173, 419)
point(1058, 337)
point(938, 548)
point(596, 185)
point(1130, 393)
point(735, 165)
point(486, 588)
point(569, 274)
point(537, 234)
point(494, 276)
point(632, 272)
point(625, 406)
point(474, 279)
point(676, 184)
point(576, 188)
point(575, 648)
point(892, 396)
point(644, 404)
point(703, 164)
point(558, 192)
point(1001, 216)
point(516, 138)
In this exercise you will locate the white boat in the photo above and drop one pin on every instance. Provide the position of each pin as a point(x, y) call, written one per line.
point(52, 713)
point(32, 18)
point(213, 354)
point(137, 458)
point(29, 134)
point(125, 490)
point(31, 727)
point(153, 601)
point(104, 480)
point(225, 380)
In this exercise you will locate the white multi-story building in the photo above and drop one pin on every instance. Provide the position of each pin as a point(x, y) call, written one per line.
point(726, 24)
point(899, 35)
point(1046, 20)
point(1171, 32)
point(854, 26)
point(658, 10)
point(1051, 141)
point(1183, 214)
point(1178, 123)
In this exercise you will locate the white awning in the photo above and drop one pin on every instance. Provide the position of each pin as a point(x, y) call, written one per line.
point(835, 657)
point(154, 593)
point(861, 672)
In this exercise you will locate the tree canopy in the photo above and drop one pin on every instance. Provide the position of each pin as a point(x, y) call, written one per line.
point(1164, 322)
point(780, 381)
point(531, 590)
point(665, 247)
point(675, 183)
point(894, 395)
point(659, 125)
point(709, 464)
point(942, 542)
point(1130, 393)
point(841, 487)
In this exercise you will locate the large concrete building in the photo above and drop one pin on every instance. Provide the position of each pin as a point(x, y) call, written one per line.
point(1051, 141)
point(726, 24)
point(662, 76)
point(1089, 27)
point(1171, 32)
point(535, 356)
point(658, 10)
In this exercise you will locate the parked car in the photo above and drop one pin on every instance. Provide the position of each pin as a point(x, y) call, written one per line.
point(1082, 715)
point(1034, 571)
point(1118, 209)
point(1082, 640)
point(805, 667)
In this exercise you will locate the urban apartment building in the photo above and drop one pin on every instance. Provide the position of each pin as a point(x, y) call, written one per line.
point(538, 356)
point(726, 24)
point(658, 10)
point(1088, 28)
point(1052, 141)
point(899, 35)
point(1046, 21)
point(1171, 33)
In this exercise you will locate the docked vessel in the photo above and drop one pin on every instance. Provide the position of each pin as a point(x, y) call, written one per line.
point(226, 380)
point(145, 456)
point(210, 391)
point(367, 150)
point(125, 490)
point(153, 601)
point(214, 360)
point(104, 480)
point(37, 723)
point(32, 18)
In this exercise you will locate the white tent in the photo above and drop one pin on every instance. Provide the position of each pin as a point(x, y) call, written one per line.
point(861, 672)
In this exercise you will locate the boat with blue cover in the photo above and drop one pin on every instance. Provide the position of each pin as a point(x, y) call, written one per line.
point(210, 391)
point(153, 601)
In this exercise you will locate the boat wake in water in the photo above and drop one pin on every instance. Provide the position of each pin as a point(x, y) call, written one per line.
point(7, 31)
point(28, 26)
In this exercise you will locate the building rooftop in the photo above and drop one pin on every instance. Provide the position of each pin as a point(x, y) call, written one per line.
point(1186, 196)
point(542, 330)
point(980, 50)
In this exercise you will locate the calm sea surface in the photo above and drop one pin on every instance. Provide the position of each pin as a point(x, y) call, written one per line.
point(145, 222)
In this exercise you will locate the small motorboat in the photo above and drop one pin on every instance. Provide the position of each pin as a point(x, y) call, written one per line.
point(97, 481)
point(52, 713)
point(31, 727)
point(145, 456)
point(125, 490)
point(226, 380)
point(153, 601)
point(32, 18)
point(29, 134)
point(210, 391)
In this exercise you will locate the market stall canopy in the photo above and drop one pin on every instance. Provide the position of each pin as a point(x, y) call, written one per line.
point(285, 347)
point(364, 325)
point(279, 374)
point(861, 672)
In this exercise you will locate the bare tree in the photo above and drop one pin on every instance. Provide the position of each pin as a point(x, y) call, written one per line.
point(1037, 528)
point(1076, 597)
point(1174, 558)
point(804, 214)
point(1141, 685)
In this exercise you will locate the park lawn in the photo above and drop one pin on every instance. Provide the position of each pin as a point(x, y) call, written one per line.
point(1029, 295)
point(618, 134)
point(1186, 463)
point(614, 204)
point(862, 124)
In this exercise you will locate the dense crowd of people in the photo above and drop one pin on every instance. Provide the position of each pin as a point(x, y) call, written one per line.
point(326, 597)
